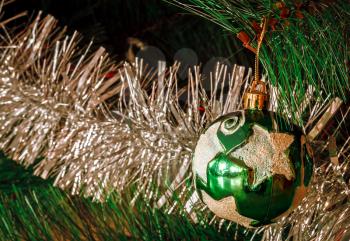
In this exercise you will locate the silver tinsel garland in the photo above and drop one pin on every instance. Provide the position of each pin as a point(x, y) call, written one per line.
point(95, 135)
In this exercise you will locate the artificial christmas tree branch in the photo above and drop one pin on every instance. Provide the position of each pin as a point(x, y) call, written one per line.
point(127, 142)
point(304, 44)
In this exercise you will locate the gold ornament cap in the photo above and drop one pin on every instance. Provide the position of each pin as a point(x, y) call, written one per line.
point(256, 97)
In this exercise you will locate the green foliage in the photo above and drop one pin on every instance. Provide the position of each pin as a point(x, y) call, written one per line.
point(312, 50)
point(12, 175)
point(32, 209)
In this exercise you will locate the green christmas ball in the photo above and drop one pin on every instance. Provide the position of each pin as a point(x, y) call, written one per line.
point(251, 167)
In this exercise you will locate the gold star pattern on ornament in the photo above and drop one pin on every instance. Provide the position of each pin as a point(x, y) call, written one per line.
point(281, 142)
point(265, 153)
point(226, 209)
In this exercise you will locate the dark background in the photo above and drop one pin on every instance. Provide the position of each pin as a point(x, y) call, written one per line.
point(154, 22)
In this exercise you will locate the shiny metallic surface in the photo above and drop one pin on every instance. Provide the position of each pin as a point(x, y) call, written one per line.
point(259, 172)
point(95, 134)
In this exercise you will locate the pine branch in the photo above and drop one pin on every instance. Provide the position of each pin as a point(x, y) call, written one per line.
point(137, 149)
point(304, 47)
